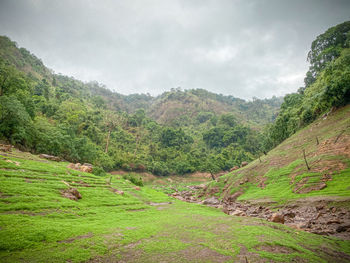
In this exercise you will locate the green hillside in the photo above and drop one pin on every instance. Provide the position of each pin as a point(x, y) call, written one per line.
point(38, 224)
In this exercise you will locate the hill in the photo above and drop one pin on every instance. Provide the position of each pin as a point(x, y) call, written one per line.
point(115, 221)
point(316, 199)
point(55, 114)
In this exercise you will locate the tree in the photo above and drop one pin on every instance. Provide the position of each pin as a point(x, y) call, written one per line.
point(326, 48)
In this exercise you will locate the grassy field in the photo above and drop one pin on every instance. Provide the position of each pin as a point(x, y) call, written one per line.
point(39, 225)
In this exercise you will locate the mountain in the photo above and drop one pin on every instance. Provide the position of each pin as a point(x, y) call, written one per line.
point(50, 113)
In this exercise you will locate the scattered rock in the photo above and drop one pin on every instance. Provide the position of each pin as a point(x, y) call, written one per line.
point(50, 157)
point(277, 218)
point(71, 193)
point(15, 162)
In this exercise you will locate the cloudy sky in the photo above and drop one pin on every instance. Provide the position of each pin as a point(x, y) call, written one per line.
point(243, 48)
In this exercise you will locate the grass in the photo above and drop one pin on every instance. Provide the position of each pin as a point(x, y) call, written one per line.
point(283, 170)
point(37, 224)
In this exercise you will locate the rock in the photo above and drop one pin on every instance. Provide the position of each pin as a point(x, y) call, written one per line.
point(234, 168)
point(87, 164)
point(77, 166)
point(238, 213)
point(5, 147)
point(137, 188)
point(244, 164)
point(342, 228)
point(277, 218)
point(119, 192)
point(71, 193)
point(211, 201)
point(50, 157)
point(86, 169)
point(71, 166)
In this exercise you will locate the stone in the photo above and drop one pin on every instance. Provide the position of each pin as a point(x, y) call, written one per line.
point(71, 193)
point(211, 201)
point(86, 169)
point(50, 157)
point(5, 147)
point(238, 213)
point(244, 164)
point(137, 188)
point(277, 218)
point(234, 168)
point(71, 166)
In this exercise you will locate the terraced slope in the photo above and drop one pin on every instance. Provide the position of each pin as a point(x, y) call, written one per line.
point(281, 180)
point(38, 224)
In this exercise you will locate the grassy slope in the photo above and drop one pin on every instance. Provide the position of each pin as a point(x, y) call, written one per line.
point(39, 225)
point(282, 175)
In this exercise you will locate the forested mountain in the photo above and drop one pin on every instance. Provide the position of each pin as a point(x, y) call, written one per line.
point(176, 132)
point(179, 131)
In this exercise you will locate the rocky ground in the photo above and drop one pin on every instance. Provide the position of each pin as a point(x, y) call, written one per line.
point(324, 216)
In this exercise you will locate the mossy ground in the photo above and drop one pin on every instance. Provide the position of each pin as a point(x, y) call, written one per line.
point(37, 224)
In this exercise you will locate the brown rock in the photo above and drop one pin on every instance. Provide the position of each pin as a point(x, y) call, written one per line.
point(244, 164)
point(71, 193)
point(277, 218)
point(77, 166)
point(5, 148)
point(234, 168)
point(71, 166)
point(86, 169)
point(50, 157)
point(238, 213)
point(137, 188)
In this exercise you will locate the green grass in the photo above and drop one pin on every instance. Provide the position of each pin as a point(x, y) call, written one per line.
point(37, 224)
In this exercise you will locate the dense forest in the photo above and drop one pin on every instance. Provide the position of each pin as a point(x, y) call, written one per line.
point(177, 132)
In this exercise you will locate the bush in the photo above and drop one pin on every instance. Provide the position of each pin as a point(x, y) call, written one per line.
point(136, 180)
point(98, 171)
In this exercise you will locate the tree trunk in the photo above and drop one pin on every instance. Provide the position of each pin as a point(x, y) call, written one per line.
point(107, 142)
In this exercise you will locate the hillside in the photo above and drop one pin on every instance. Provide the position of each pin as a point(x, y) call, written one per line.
point(115, 221)
point(316, 199)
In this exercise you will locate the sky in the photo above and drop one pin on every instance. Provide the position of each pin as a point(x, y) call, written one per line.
point(244, 48)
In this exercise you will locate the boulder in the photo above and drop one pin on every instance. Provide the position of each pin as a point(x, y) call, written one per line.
point(234, 168)
point(86, 169)
point(77, 166)
point(211, 201)
point(71, 166)
point(5, 148)
point(238, 213)
point(50, 157)
point(277, 218)
point(244, 164)
point(87, 164)
point(71, 193)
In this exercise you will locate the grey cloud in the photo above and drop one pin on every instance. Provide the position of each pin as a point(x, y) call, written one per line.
point(242, 48)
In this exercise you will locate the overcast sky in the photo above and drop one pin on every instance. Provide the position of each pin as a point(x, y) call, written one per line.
point(240, 47)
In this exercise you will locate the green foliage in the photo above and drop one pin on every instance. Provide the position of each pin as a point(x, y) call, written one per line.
point(328, 86)
point(134, 178)
point(98, 171)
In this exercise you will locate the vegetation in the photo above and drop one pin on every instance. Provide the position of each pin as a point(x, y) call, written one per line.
point(327, 85)
point(83, 122)
point(39, 225)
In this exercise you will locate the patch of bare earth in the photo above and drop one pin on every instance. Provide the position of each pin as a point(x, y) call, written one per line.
point(71, 240)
